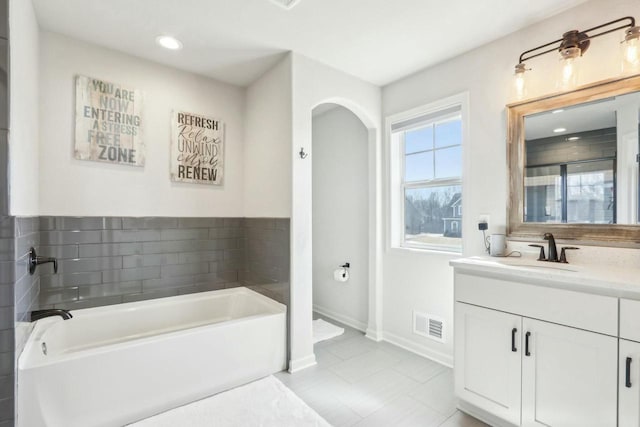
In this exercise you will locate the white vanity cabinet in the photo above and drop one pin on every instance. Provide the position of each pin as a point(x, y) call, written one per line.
point(629, 364)
point(529, 355)
point(489, 343)
point(569, 377)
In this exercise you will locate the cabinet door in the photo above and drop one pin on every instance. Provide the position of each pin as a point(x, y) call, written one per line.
point(569, 377)
point(629, 384)
point(487, 366)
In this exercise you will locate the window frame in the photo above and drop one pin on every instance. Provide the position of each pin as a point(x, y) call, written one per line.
point(397, 186)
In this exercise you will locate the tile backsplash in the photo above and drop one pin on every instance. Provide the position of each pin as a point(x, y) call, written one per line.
point(110, 260)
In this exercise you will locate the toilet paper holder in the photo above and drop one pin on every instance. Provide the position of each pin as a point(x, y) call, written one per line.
point(341, 274)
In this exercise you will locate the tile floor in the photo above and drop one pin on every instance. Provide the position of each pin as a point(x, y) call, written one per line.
point(358, 382)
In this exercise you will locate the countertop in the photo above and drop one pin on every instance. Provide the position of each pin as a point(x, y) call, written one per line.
point(606, 280)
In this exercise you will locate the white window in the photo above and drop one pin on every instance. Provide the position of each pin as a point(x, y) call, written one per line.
point(426, 176)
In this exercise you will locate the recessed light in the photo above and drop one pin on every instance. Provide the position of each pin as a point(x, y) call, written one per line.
point(558, 130)
point(287, 4)
point(573, 138)
point(557, 111)
point(169, 42)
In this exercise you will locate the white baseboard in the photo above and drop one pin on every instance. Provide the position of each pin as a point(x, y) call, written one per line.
point(302, 363)
point(349, 321)
point(483, 416)
point(373, 334)
point(436, 356)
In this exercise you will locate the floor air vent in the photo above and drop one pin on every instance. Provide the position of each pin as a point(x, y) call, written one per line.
point(428, 326)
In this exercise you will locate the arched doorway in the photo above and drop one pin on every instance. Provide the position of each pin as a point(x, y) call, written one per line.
point(340, 214)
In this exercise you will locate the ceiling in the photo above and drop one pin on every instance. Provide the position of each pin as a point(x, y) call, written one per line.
point(600, 114)
point(578, 118)
point(236, 41)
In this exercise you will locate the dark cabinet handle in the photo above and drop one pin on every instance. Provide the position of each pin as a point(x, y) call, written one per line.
point(627, 376)
point(513, 339)
point(526, 344)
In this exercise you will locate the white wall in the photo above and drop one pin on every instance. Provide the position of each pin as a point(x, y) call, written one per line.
point(267, 160)
point(313, 84)
point(82, 188)
point(422, 280)
point(340, 213)
point(23, 109)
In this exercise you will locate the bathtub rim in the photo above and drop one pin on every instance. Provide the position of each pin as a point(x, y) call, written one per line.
point(41, 326)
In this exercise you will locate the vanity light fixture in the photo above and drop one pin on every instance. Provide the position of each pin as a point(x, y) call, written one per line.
point(169, 42)
point(573, 45)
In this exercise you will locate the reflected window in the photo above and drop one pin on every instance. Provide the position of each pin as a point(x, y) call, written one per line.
point(578, 192)
point(591, 192)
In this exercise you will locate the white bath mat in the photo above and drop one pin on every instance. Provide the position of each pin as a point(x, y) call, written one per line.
point(265, 403)
point(324, 330)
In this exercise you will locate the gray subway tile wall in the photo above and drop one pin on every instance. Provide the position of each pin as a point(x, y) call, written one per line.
point(27, 286)
point(18, 296)
point(267, 254)
point(7, 332)
point(7, 237)
point(111, 260)
point(591, 145)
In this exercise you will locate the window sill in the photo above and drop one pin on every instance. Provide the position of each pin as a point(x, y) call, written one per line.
point(424, 251)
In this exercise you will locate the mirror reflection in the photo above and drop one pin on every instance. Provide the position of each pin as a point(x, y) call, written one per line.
point(581, 163)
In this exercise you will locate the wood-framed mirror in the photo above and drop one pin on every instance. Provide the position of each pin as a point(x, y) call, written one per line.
point(573, 165)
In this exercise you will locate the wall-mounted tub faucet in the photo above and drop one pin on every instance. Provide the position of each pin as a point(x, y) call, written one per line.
point(41, 314)
point(35, 260)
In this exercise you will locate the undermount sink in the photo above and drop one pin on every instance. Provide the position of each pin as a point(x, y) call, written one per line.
point(521, 262)
point(545, 265)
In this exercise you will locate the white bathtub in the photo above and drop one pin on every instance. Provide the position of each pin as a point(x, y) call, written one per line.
point(114, 365)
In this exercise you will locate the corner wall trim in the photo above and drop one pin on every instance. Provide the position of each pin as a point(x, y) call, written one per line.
point(349, 321)
point(374, 335)
point(436, 356)
point(302, 363)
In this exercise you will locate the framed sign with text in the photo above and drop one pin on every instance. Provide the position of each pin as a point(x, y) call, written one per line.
point(197, 149)
point(108, 123)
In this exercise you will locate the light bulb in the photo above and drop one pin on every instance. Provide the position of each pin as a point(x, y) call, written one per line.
point(570, 61)
point(568, 71)
point(520, 83)
point(631, 51)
